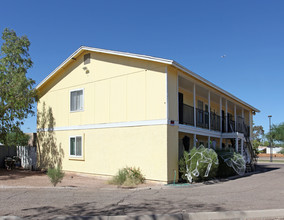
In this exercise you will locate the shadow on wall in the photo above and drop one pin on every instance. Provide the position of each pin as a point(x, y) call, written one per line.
point(50, 154)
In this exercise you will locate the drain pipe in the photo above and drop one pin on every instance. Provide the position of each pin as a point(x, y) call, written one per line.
point(175, 175)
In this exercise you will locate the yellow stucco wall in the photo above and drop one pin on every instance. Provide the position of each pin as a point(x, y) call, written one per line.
point(188, 100)
point(172, 93)
point(172, 153)
point(107, 150)
point(181, 135)
point(187, 96)
point(125, 90)
point(116, 89)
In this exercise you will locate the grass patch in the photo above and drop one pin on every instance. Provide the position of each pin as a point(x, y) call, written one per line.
point(129, 177)
point(273, 161)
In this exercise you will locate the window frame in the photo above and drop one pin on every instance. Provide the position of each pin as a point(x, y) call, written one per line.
point(70, 98)
point(76, 156)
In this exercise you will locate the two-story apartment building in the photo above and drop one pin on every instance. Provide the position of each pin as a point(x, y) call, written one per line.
point(102, 110)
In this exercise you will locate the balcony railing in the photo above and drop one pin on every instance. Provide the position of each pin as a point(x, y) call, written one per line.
point(202, 120)
point(188, 112)
point(241, 126)
point(215, 121)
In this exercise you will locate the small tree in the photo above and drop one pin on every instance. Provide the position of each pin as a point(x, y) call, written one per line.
point(17, 138)
point(257, 137)
point(16, 90)
point(277, 134)
point(55, 175)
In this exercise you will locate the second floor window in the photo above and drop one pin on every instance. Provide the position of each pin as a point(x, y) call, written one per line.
point(76, 100)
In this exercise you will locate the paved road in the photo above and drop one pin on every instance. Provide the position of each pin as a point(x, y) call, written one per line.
point(256, 192)
point(274, 159)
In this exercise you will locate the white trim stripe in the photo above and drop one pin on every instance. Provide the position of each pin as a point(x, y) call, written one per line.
point(205, 132)
point(111, 125)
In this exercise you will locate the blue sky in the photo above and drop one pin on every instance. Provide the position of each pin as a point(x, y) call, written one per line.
point(194, 33)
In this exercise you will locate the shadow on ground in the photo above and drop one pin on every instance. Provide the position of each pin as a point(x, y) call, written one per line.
point(267, 167)
point(260, 168)
point(17, 174)
point(94, 209)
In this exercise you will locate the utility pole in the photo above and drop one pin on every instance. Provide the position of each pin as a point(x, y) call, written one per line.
point(270, 144)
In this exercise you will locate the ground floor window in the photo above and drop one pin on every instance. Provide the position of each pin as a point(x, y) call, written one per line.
point(76, 146)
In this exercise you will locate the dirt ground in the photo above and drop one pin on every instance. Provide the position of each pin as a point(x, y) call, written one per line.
point(39, 179)
point(268, 155)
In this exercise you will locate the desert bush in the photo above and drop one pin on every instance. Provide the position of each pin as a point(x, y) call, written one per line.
point(230, 163)
point(224, 170)
point(199, 165)
point(55, 175)
point(128, 176)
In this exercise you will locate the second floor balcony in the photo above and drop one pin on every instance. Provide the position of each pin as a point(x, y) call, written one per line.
point(186, 116)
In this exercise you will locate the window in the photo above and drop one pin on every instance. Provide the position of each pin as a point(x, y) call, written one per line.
point(76, 100)
point(87, 58)
point(76, 146)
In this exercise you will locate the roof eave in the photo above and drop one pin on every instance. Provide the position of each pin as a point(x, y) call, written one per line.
point(97, 50)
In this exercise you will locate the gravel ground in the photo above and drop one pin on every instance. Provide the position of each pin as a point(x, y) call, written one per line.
point(33, 197)
point(34, 179)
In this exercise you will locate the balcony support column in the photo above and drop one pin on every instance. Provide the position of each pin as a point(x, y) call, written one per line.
point(209, 142)
point(235, 113)
point(209, 112)
point(221, 141)
point(221, 114)
point(242, 146)
point(194, 106)
point(250, 123)
point(237, 143)
point(194, 140)
point(243, 120)
point(226, 115)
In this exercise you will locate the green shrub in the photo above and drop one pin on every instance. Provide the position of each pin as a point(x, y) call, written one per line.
point(224, 170)
point(200, 164)
point(230, 163)
point(55, 175)
point(282, 151)
point(128, 177)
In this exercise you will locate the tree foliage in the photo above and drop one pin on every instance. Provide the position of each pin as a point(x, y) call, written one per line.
point(258, 133)
point(17, 138)
point(16, 89)
point(277, 133)
point(257, 136)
